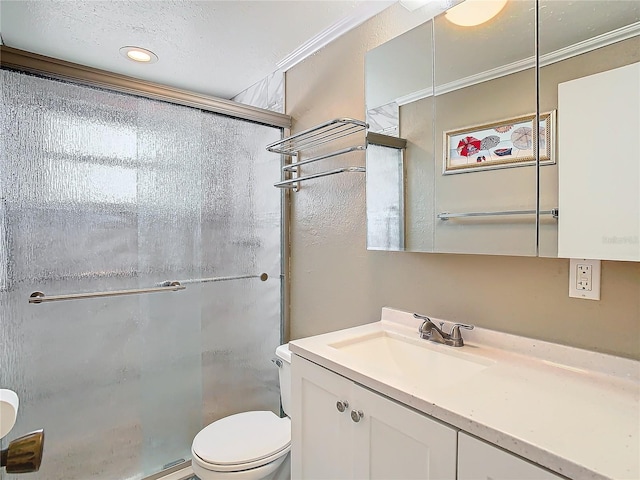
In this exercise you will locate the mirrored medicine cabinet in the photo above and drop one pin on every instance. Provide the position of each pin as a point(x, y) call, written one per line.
point(455, 163)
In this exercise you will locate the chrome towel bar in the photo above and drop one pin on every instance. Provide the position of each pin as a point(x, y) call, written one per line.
point(262, 276)
point(293, 166)
point(318, 135)
point(39, 297)
point(291, 183)
point(447, 216)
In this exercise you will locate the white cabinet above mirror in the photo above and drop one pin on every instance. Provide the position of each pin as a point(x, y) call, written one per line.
point(468, 152)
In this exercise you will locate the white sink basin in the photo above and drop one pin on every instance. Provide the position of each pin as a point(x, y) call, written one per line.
point(417, 360)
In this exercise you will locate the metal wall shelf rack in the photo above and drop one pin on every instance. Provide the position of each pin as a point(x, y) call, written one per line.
point(314, 137)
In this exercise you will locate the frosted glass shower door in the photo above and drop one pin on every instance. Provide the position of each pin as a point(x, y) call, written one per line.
point(101, 191)
point(84, 211)
point(169, 249)
point(241, 235)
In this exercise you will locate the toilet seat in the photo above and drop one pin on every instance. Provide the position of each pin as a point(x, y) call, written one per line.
point(243, 441)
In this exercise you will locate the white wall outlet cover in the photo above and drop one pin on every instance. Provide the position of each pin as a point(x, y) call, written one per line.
point(584, 278)
point(8, 410)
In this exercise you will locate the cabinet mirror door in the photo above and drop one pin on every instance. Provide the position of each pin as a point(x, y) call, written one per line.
point(463, 98)
point(596, 179)
point(484, 107)
point(475, 174)
point(399, 99)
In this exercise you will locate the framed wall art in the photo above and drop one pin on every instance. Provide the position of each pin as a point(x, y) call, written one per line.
point(507, 143)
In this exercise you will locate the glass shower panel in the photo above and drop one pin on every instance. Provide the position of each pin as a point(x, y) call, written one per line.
point(169, 249)
point(103, 191)
point(70, 225)
point(241, 215)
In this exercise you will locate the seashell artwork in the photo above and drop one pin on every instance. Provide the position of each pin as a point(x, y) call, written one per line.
point(522, 138)
point(489, 142)
point(505, 143)
point(503, 128)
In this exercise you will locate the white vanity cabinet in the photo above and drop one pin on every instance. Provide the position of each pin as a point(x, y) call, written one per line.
point(387, 441)
point(478, 460)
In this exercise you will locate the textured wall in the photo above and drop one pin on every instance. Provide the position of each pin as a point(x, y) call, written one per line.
point(336, 283)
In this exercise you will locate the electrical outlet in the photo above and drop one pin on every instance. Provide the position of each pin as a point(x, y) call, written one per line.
point(584, 278)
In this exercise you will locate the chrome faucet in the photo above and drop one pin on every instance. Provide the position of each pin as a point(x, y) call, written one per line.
point(430, 331)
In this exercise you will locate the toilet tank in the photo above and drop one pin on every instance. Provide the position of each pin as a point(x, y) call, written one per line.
point(284, 371)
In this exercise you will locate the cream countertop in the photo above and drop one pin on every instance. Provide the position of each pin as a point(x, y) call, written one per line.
point(572, 411)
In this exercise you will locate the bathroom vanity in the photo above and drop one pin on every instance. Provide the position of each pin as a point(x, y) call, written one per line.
point(376, 401)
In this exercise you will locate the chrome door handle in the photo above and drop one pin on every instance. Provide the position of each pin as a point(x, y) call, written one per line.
point(356, 416)
point(342, 406)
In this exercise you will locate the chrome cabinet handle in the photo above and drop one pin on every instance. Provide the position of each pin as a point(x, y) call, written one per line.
point(356, 416)
point(342, 406)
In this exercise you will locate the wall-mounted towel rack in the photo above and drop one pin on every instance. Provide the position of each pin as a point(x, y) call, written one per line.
point(318, 135)
point(39, 297)
point(322, 134)
point(447, 216)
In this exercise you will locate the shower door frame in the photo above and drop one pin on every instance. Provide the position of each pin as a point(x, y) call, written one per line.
point(20, 60)
point(27, 62)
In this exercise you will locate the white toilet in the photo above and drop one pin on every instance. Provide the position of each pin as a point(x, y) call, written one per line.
point(248, 445)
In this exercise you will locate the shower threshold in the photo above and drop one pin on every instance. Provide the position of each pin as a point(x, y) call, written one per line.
point(183, 471)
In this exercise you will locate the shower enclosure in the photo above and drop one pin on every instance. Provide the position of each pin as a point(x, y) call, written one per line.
point(102, 192)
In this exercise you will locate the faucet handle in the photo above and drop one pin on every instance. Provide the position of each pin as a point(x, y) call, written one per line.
point(455, 330)
point(424, 319)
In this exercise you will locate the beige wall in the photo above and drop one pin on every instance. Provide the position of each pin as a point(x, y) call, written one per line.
point(336, 283)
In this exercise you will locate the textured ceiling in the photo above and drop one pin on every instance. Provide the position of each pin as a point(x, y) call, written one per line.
point(213, 47)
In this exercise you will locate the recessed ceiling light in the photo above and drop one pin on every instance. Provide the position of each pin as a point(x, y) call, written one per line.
point(474, 12)
point(140, 55)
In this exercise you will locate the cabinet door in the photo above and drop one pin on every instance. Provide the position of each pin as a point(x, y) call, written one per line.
point(322, 445)
point(479, 460)
point(394, 442)
point(599, 165)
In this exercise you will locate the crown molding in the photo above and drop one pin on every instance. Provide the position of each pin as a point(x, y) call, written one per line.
point(485, 76)
point(359, 15)
point(615, 36)
point(415, 96)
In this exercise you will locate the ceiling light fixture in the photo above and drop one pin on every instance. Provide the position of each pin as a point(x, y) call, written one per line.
point(140, 55)
point(474, 12)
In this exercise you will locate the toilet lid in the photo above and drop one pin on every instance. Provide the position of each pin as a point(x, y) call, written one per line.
point(243, 438)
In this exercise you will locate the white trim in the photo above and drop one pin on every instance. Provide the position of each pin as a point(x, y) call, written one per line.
point(487, 75)
point(579, 48)
point(590, 44)
point(359, 15)
point(415, 96)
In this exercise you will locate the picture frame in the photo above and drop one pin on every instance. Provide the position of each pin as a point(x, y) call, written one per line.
point(502, 144)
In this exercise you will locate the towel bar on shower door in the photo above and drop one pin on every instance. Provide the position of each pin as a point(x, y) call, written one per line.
point(39, 297)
